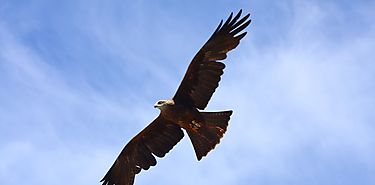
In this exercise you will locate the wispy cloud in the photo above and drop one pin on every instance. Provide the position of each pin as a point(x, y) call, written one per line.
point(78, 80)
point(48, 126)
point(309, 105)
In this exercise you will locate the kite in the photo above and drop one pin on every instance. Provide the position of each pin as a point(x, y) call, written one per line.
point(184, 110)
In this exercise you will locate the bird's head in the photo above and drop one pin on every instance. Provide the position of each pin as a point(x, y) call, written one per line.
point(163, 103)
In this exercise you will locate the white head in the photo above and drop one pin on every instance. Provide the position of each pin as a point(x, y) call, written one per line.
point(163, 103)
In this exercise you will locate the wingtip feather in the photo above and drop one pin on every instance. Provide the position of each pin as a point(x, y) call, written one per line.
point(239, 29)
point(219, 26)
point(228, 20)
point(235, 18)
point(242, 35)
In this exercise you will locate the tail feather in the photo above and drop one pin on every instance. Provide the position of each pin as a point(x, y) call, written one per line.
point(209, 133)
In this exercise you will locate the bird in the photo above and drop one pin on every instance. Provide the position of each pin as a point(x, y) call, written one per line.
point(185, 110)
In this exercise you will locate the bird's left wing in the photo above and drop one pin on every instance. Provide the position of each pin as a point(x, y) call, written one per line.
point(158, 138)
point(203, 74)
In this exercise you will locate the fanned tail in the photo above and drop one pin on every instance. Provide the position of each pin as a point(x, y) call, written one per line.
point(205, 136)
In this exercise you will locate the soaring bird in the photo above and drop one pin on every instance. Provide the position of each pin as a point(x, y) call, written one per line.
point(184, 110)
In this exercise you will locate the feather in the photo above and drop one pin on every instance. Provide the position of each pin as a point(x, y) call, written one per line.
point(205, 65)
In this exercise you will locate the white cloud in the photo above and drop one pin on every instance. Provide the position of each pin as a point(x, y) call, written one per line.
point(300, 86)
point(305, 104)
point(51, 130)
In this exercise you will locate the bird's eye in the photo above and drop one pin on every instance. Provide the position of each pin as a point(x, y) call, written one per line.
point(160, 102)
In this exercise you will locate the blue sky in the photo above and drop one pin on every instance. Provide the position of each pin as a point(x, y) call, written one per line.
point(78, 79)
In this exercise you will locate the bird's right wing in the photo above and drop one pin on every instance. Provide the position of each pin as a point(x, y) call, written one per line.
point(158, 138)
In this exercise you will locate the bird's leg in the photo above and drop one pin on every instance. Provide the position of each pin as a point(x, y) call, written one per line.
point(194, 125)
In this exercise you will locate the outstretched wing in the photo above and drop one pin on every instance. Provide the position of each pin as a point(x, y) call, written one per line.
point(203, 74)
point(158, 138)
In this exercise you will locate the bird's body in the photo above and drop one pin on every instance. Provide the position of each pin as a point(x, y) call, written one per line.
point(184, 110)
point(204, 128)
point(180, 115)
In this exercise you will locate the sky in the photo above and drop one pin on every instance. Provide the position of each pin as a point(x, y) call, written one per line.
point(78, 79)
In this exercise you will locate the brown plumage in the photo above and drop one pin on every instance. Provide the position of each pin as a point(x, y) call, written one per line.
point(205, 129)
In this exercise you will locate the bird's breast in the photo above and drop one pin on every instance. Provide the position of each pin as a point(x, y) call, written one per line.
point(181, 115)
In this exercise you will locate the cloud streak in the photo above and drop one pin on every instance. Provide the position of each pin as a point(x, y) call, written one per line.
point(79, 83)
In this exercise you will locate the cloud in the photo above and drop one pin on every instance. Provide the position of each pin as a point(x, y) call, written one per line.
point(50, 128)
point(76, 87)
point(305, 104)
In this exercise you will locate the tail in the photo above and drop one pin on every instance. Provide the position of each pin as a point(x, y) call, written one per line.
point(205, 136)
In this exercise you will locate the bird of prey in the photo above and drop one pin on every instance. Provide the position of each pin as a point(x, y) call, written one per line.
point(184, 110)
